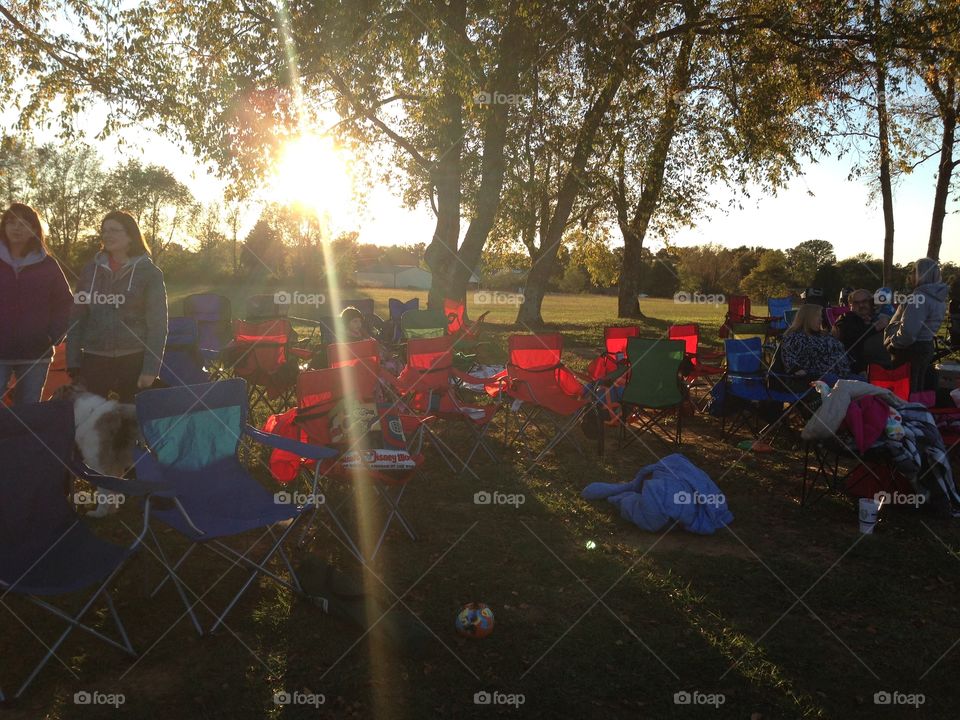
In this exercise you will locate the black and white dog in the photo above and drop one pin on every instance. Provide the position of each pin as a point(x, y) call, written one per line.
point(106, 435)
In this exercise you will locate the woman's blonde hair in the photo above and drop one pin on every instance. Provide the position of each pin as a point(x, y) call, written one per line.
point(808, 320)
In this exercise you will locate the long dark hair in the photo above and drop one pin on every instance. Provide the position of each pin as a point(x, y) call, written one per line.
point(27, 214)
point(129, 223)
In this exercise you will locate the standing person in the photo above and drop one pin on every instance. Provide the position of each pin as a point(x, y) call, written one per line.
point(35, 304)
point(119, 326)
point(909, 336)
point(861, 331)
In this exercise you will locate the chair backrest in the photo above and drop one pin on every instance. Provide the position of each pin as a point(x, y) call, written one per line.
point(398, 307)
point(423, 324)
point(365, 356)
point(456, 313)
point(897, 379)
point(196, 426)
point(429, 362)
point(535, 352)
point(738, 307)
point(744, 356)
point(318, 393)
point(835, 313)
point(615, 339)
point(776, 308)
point(35, 443)
point(213, 315)
point(749, 331)
point(790, 315)
point(654, 372)
point(690, 334)
point(182, 363)
point(261, 345)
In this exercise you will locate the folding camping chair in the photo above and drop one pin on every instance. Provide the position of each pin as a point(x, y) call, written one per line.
point(738, 312)
point(426, 387)
point(331, 411)
point(262, 353)
point(423, 324)
point(776, 310)
point(543, 388)
point(897, 379)
point(749, 381)
point(214, 327)
point(614, 352)
point(703, 367)
point(466, 334)
point(835, 313)
point(182, 361)
point(48, 550)
point(397, 308)
point(654, 388)
point(193, 434)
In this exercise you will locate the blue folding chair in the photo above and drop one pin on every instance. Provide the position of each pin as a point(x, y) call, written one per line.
point(397, 309)
point(193, 434)
point(214, 325)
point(777, 309)
point(183, 363)
point(750, 381)
point(47, 549)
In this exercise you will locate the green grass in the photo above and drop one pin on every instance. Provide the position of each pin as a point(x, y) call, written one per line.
point(610, 629)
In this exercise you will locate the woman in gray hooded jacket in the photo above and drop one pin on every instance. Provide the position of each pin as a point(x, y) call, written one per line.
point(909, 336)
point(119, 322)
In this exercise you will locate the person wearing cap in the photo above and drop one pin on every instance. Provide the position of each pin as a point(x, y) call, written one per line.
point(909, 336)
point(861, 331)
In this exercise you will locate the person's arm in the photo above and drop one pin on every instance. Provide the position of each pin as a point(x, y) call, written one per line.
point(911, 320)
point(61, 304)
point(791, 352)
point(156, 321)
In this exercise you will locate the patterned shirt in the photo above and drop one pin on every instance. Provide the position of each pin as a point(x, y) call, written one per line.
point(816, 355)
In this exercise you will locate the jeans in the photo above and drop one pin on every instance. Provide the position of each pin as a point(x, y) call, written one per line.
point(30, 380)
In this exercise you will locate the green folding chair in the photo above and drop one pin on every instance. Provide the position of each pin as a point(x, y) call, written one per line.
point(423, 324)
point(654, 389)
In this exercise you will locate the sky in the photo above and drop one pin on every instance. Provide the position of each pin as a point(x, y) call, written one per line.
point(821, 203)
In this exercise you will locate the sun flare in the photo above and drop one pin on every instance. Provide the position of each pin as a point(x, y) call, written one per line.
point(312, 174)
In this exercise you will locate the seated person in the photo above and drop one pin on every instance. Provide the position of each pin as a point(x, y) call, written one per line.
point(861, 332)
point(909, 336)
point(954, 311)
point(809, 352)
point(354, 327)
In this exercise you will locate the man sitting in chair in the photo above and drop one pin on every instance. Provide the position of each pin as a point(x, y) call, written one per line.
point(861, 332)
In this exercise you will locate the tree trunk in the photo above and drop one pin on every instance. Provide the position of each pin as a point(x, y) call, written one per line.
point(944, 175)
point(634, 233)
point(883, 119)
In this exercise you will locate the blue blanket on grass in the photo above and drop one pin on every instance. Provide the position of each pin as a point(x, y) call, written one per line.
point(672, 489)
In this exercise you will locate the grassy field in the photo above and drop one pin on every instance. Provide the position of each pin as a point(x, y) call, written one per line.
point(787, 613)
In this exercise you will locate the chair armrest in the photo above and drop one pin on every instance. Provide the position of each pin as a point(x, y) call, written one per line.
point(491, 381)
point(139, 487)
point(311, 452)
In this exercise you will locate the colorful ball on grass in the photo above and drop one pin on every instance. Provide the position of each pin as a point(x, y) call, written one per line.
point(475, 620)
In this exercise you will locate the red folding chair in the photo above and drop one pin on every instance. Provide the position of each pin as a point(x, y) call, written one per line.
point(614, 352)
point(544, 389)
point(705, 367)
point(426, 386)
point(896, 379)
point(262, 353)
point(739, 313)
point(466, 334)
point(330, 412)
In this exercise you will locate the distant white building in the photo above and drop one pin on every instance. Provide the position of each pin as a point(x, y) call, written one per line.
point(394, 276)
